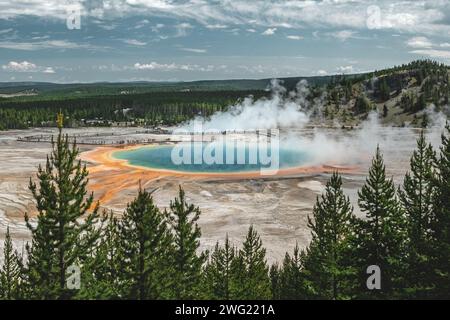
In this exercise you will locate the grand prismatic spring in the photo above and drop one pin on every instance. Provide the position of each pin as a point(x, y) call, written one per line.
point(213, 158)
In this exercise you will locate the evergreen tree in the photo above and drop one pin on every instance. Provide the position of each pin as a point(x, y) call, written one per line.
point(384, 90)
point(382, 234)
point(292, 279)
point(146, 246)
point(64, 233)
point(440, 224)
point(326, 269)
point(362, 105)
point(218, 271)
point(102, 273)
point(10, 272)
point(417, 200)
point(421, 102)
point(187, 264)
point(275, 281)
point(250, 270)
point(238, 277)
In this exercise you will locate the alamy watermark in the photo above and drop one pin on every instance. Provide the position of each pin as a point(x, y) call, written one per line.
point(377, 19)
point(373, 282)
point(259, 148)
point(73, 16)
point(73, 280)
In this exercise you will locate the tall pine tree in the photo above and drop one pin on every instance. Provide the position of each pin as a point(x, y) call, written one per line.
point(440, 224)
point(250, 270)
point(382, 234)
point(217, 271)
point(146, 246)
point(187, 263)
point(275, 281)
point(417, 200)
point(63, 235)
point(102, 272)
point(10, 272)
point(326, 268)
point(292, 284)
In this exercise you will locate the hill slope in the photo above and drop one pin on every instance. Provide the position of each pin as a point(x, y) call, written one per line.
point(401, 95)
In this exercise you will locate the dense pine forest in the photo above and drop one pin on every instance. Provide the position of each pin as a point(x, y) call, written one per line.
point(148, 253)
point(400, 93)
point(158, 108)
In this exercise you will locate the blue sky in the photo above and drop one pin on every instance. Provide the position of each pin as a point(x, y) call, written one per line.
point(173, 40)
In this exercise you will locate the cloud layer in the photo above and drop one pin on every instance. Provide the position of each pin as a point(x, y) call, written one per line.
point(25, 66)
point(428, 17)
point(194, 39)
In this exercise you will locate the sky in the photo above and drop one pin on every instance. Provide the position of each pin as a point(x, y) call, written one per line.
point(69, 41)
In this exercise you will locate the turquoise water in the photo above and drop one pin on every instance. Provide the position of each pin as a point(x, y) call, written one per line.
point(165, 157)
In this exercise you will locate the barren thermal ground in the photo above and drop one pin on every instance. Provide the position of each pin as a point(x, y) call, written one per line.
point(277, 205)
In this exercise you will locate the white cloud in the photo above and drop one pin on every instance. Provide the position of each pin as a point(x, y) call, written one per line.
point(48, 44)
point(41, 37)
point(216, 26)
point(26, 66)
point(321, 73)
point(269, 32)
point(419, 42)
point(155, 4)
point(194, 50)
point(432, 53)
point(343, 35)
point(155, 66)
point(23, 66)
point(134, 42)
point(294, 37)
point(40, 8)
point(182, 29)
point(345, 69)
point(445, 45)
point(49, 70)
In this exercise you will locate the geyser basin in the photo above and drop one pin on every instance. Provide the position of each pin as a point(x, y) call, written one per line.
point(196, 157)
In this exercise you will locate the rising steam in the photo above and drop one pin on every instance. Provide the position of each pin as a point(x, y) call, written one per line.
point(279, 111)
point(291, 113)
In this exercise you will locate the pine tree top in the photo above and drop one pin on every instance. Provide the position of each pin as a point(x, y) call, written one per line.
point(60, 120)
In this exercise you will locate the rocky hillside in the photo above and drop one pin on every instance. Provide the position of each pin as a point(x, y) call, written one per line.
point(402, 95)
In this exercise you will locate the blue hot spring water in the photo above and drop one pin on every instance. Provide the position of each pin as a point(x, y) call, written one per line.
point(161, 157)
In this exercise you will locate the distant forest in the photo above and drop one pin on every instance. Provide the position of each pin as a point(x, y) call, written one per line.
point(157, 108)
point(407, 89)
